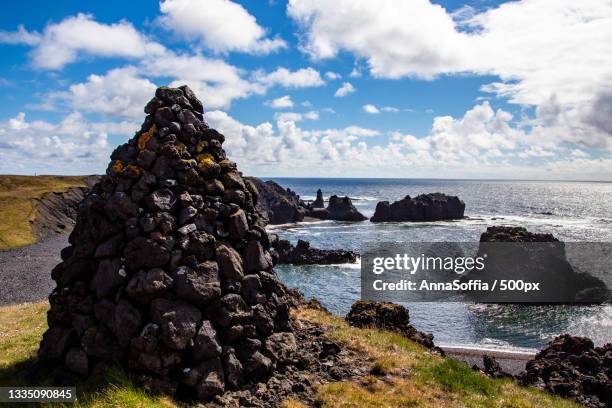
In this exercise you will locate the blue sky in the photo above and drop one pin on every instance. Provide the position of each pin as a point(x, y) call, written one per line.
point(449, 89)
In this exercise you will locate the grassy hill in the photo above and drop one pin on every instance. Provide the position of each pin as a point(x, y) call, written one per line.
point(18, 196)
point(402, 373)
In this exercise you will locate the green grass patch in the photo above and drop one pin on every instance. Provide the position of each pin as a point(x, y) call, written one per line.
point(456, 376)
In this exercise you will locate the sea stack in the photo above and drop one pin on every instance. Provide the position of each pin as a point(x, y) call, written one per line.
point(319, 203)
point(424, 207)
point(168, 273)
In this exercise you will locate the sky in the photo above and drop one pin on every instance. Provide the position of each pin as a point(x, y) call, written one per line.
point(315, 88)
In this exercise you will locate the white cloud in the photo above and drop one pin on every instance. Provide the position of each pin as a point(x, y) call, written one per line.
point(389, 109)
point(120, 92)
point(21, 36)
point(369, 108)
point(64, 42)
point(215, 81)
point(281, 103)
point(296, 117)
point(344, 90)
point(71, 146)
point(302, 78)
point(479, 144)
point(543, 51)
point(219, 25)
point(332, 75)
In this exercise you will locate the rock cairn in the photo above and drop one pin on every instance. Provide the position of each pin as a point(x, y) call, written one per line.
point(424, 207)
point(168, 272)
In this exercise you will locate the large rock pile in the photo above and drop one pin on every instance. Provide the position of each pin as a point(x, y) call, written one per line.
point(424, 207)
point(572, 367)
point(168, 273)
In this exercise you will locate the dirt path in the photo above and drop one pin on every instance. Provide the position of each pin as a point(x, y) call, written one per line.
point(25, 273)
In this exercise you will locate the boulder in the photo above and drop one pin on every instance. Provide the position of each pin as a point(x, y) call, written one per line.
point(425, 207)
point(391, 317)
point(572, 367)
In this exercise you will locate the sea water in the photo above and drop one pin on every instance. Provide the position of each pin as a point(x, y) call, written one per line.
point(572, 211)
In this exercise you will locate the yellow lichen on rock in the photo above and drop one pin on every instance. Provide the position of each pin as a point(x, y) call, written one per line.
point(225, 164)
point(201, 146)
point(205, 161)
point(144, 138)
point(133, 170)
point(117, 166)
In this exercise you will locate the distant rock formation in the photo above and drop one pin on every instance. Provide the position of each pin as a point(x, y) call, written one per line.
point(425, 207)
point(318, 203)
point(499, 233)
point(338, 209)
point(388, 316)
point(277, 204)
point(304, 254)
point(534, 257)
point(572, 367)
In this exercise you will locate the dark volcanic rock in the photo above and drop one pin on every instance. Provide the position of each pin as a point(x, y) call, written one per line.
point(319, 202)
point(169, 272)
point(304, 254)
point(338, 209)
point(425, 207)
point(572, 367)
point(532, 257)
point(388, 316)
point(492, 368)
point(277, 204)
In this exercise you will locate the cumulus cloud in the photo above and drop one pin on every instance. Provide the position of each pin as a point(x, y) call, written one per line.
point(540, 50)
point(479, 144)
point(301, 78)
point(332, 75)
point(344, 90)
point(62, 43)
point(219, 25)
point(120, 92)
point(369, 108)
point(70, 146)
point(282, 102)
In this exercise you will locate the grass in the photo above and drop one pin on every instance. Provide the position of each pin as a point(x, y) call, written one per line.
point(21, 328)
point(403, 374)
point(18, 205)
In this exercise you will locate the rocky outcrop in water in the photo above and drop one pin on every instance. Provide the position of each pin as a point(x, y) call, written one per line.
point(169, 273)
point(277, 204)
point(533, 257)
point(338, 209)
point(572, 367)
point(391, 317)
point(425, 207)
point(318, 202)
point(304, 254)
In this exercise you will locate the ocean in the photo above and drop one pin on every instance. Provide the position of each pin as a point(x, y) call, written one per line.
point(572, 211)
